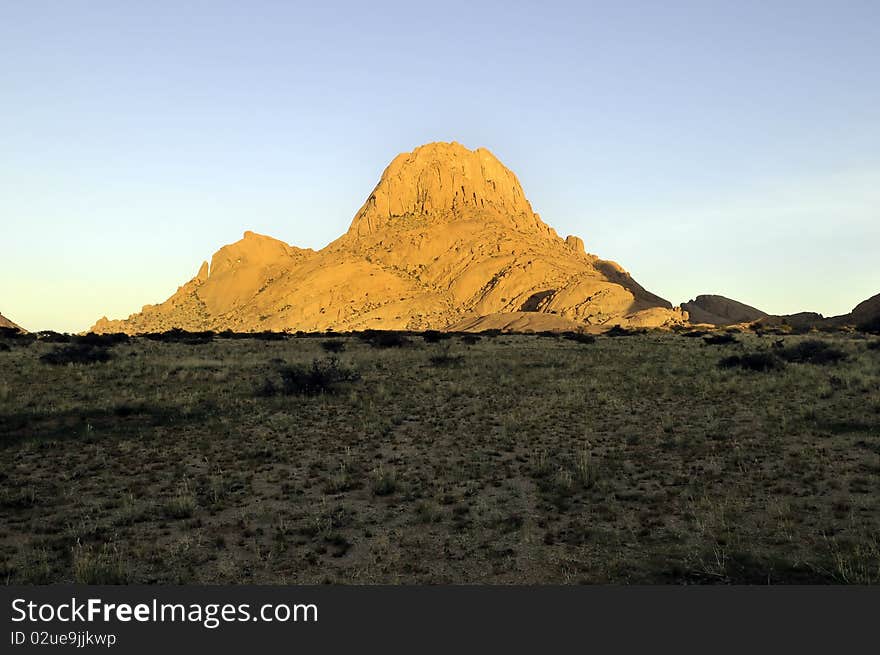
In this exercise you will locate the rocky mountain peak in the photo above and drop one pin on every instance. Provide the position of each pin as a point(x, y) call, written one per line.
point(445, 181)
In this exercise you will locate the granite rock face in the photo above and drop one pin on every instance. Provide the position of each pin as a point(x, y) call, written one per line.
point(718, 310)
point(446, 238)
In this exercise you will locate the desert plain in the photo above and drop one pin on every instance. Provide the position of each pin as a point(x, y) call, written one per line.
point(675, 457)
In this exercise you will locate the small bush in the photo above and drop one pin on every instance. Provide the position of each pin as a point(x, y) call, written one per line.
point(77, 354)
point(384, 339)
point(579, 337)
point(176, 335)
point(539, 463)
point(333, 346)
point(229, 334)
point(50, 336)
point(268, 335)
point(874, 345)
point(4, 347)
point(427, 511)
point(812, 351)
point(322, 377)
point(181, 506)
point(693, 334)
point(98, 567)
point(341, 481)
point(618, 331)
point(384, 482)
point(102, 340)
point(761, 361)
point(719, 339)
point(35, 568)
point(15, 337)
point(435, 336)
point(445, 359)
point(470, 339)
point(871, 326)
point(586, 469)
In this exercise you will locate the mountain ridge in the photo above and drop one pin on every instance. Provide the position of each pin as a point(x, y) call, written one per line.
point(447, 235)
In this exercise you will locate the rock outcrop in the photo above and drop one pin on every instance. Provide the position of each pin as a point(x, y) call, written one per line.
point(439, 181)
point(718, 310)
point(575, 243)
point(801, 320)
point(864, 316)
point(867, 312)
point(446, 238)
point(6, 323)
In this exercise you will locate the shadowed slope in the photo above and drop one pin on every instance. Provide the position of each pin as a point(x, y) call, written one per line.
point(867, 311)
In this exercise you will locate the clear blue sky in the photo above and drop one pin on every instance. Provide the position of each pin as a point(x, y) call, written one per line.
point(709, 147)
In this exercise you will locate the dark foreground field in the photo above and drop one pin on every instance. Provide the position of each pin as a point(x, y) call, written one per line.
point(515, 459)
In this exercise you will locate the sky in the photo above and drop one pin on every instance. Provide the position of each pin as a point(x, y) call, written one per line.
point(708, 147)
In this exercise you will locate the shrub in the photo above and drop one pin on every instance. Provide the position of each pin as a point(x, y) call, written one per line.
point(760, 361)
point(470, 339)
point(268, 335)
point(180, 506)
point(319, 378)
point(427, 511)
point(384, 339)
point(872, 326)
point(50, 336)
point(384, 482)
point(35, 568)
point(812, 351)
point(229, 334)
point(586, 469)
point(435, 336)
point(77, 354)
point(618, 331)
point(98, 567)
point(719, 339)
point(874, 345)
point(15, 337)
point(102, 340)
point(176, 335)
point(333, 346)
point(693, 334)
point(445, 359)
point(4, 347)
point(539, 463)
point(579, 337)
point(341, 481)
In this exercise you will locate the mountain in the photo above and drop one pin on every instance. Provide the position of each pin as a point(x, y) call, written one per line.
point(446, 238)
point(6, 323)
point(718, 310)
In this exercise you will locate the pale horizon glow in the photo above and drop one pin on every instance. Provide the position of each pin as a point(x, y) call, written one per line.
point(708, 147)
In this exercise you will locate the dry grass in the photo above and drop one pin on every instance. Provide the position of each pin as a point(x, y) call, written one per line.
point(531, 460)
